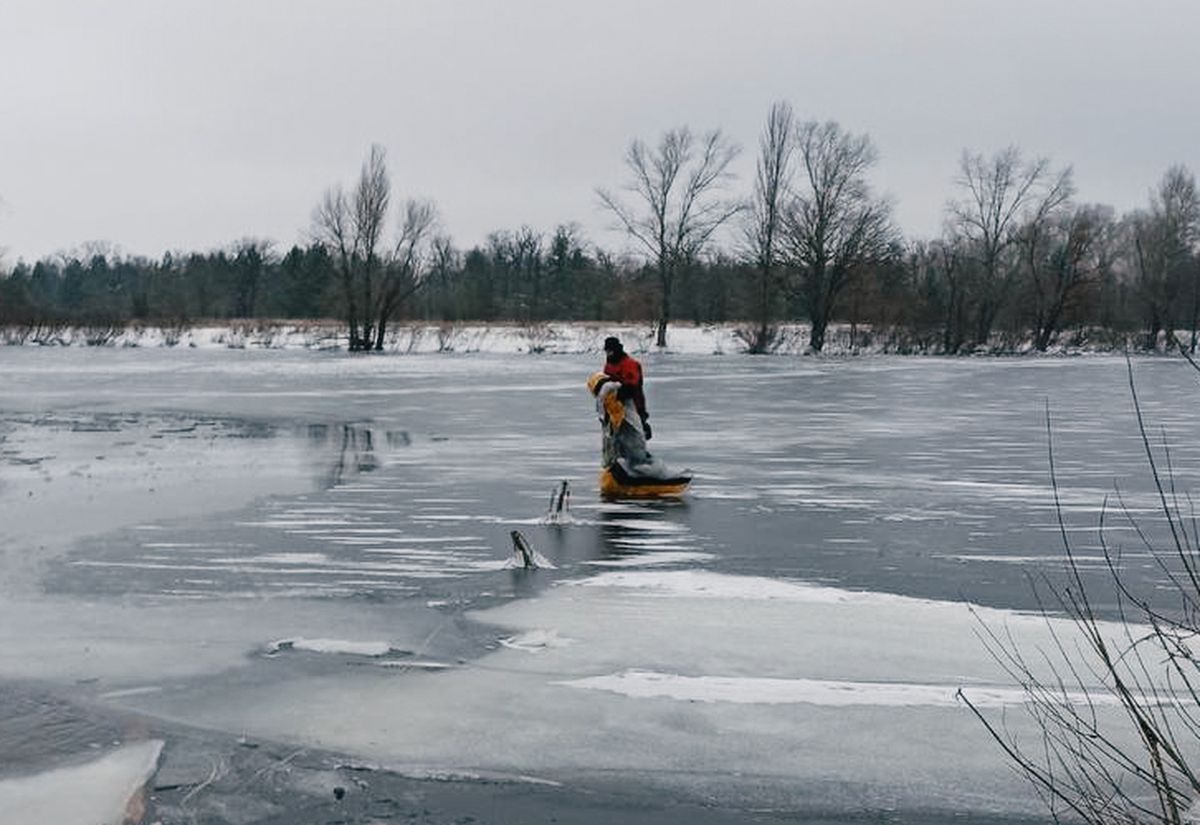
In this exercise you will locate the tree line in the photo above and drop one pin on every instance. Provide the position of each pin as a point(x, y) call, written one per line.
point(1019, 261)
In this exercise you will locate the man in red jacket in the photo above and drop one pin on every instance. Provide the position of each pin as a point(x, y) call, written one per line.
point(623, 367)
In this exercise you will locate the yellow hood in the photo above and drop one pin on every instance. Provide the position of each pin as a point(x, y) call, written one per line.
point(595, 380)
point(614, 408)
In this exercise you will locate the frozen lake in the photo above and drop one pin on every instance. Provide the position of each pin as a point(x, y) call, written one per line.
point(314, 549)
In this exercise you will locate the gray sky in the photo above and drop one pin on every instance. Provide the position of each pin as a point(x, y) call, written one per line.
point(188, 124)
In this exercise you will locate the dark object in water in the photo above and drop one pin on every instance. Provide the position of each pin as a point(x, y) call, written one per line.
point(560, 502)
point(522, 550)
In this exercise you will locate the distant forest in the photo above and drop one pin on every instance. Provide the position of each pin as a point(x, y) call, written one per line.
point(1020, 262)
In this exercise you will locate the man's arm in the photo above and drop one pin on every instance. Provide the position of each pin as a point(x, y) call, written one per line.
point(639, 401)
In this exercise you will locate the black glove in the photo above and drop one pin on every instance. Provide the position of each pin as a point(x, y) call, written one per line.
point(646, 429)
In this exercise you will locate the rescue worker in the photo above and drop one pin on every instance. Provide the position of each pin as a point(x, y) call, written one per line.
point(625, 368)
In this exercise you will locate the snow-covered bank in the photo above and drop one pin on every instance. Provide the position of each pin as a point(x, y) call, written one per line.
point(405, 338)
point(501, 338)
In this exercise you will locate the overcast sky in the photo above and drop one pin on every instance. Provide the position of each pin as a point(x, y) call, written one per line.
point(188, 124)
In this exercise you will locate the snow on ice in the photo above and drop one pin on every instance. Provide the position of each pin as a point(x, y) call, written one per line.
point(100, 792)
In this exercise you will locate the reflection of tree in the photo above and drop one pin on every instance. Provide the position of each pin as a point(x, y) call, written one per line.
point(621, 535)
point(1115, 705)
point(357, 450)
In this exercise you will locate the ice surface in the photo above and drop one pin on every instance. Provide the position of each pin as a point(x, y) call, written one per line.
point(535, 641)
point(828, 692)
point(355, 648)
point(706, 584)
point(664, 554)
point(117, 646)
point(696, 678)
point(103, 791)
point(71, 475)
point(792, 631)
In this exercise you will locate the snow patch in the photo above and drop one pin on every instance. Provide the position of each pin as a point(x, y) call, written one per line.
point(706, 584)
point(535, 641)
point(101, 792)
point(330, 646)
point(416, 664)
point(646, 684)
point(136, 691)
point(653, 559)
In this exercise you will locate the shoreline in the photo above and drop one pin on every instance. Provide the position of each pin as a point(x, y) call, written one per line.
point(543, 338)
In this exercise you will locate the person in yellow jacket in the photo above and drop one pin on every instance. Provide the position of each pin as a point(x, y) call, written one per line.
point(627, 467)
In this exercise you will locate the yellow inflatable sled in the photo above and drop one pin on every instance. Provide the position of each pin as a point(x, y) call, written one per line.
point(616, 483)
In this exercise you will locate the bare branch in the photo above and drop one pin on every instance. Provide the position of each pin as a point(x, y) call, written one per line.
point(834, 226)
point(677, 205)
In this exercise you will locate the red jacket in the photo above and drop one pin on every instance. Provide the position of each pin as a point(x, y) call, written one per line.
point(629, 372)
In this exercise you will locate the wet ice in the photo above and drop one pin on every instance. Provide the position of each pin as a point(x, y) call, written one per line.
point(837, 524)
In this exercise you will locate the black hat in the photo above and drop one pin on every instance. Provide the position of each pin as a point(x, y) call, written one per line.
point(613, 344)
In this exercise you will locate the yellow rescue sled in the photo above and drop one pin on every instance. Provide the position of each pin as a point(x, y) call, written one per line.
point(616, 483)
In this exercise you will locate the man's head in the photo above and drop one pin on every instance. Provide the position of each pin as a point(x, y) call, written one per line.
point(613, 348)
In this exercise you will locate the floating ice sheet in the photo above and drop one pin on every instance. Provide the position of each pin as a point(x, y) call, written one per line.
point(353, 648)
point(100, 792)
point(827, 692)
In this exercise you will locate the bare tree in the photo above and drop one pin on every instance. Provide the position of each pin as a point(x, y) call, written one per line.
point(678, 204)
point(376, 277)
point(1164, 241)
point(443, 300)
point(938, 271)
point(1036, 239)
point(349, 226)
point(835, 225)
point(405, 267)
point(1064, 250)
point(997, 191)
point(445, 258)
point(765, 215)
